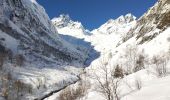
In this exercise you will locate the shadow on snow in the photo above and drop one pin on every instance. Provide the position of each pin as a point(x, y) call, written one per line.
point(82, 46)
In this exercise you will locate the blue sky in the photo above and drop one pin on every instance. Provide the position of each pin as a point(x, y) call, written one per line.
point(93, 13)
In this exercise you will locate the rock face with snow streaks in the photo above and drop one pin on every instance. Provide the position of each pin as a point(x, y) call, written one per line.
point(27, 22)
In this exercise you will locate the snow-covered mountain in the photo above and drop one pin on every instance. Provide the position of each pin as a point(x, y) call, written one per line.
point(54, 53)
point(28, 24)
point(38, 57)
point(66, 26)
point(112, 33)
point(114, 30)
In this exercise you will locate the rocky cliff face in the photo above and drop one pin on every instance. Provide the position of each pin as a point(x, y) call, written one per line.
point(157, 17)
point(27, 23)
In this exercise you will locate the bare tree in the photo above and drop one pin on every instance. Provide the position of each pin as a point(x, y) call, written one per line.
point(161, 65)
point(135, 60)
point(131, 56)
point(139, 63)
point(107, 84)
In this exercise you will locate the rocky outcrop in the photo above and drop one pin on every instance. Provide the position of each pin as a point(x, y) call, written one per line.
point(157, 17)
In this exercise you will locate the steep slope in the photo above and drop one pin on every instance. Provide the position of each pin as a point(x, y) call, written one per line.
point(27, 34)
point(157, 17)
point(28, 23)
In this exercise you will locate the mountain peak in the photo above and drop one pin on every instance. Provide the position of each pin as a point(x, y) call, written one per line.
point(125, 19)
point(61, 21)
point(121, 19)
point(65, 17)
point(34, 1)
point(65, 21)
point(129, 17)
point(119, 24)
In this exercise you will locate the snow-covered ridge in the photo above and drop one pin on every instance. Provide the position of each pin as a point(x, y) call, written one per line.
point(66, 26)
point(34, 1)
point(65, 21)
point(119, 25)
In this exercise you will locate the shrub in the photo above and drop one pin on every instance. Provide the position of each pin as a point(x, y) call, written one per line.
point(139, 63)
point(5, 93)
point(161, 64)
point(2, 55)
point(10, 56)
point(74, 93)
point(66, 94)
point(2, 58)
point(19, 59)
point(118, 73)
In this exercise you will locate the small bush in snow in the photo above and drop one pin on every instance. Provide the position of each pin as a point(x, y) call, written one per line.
point(10, 56)
point(118, 72)
point(5, 86)
point(139, 63)
point(3, 55)
point(5, 93)
point(161, 65)
point(19, 59)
